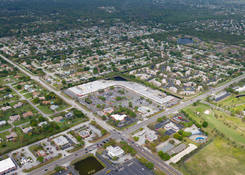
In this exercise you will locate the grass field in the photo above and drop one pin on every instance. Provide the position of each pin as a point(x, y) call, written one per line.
point(217, 158)
point(236, 105)
point(45, 109)
point(220, 122)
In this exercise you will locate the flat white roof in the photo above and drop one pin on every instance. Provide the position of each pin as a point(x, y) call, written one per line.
point(76, 91)
point(147, 92)
point(3, 122)
point(220, 94)
point(60, 141)
point(6, 164)
point(241, 89)
point(114, 151)
point(177, 157)
point(119, 117)
point(172, 126)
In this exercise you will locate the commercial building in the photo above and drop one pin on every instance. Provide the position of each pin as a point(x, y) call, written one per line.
point(7, 166)
point(114, 151)
point(191, 147)
point(61, 142)
point(221, 96)
point(154, 95)
point(84, 133)
point(150, 136)
point(240, 89)
point(177, 149)
point(3, 122)
point(172, 126)
point(118, 117)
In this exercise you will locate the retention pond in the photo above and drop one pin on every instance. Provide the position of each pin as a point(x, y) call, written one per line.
point(88, 166)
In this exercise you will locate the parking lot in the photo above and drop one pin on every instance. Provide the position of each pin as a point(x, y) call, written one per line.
point(131, 167)
point(106, 102)
point(115, 96)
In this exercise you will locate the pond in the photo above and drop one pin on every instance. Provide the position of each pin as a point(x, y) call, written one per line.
point(88, 166)
point(118, 78)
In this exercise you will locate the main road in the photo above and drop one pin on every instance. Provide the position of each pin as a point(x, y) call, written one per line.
point(163, 166)
point(184, 104)
point(60, 94)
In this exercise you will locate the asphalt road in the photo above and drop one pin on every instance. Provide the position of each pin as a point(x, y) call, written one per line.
point(183, 105)
point(154, 159)
point(22, 97)
point(163, 166)
point(67, 159)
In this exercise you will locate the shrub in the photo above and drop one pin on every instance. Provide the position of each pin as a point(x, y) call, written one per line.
point(136, 138)
point(205, 124)
point(178, 136)
point(164, 156)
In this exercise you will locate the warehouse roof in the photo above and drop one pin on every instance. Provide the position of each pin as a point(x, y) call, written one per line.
point(6, 164)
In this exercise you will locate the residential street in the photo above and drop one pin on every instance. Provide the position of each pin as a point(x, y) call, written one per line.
point(126, 134)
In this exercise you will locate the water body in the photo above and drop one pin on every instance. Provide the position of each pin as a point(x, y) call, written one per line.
point(118, 78)
point(185, 41)
point(88, 166)
point(238, 96)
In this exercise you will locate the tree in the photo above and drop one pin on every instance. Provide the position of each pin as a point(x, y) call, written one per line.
point(136, 138)
point(95, 71)
point(58, 168)
point(18, 86)
point(159, 120)
point(103, 132)
point(164, 156)
point(115, 158)
point(205, 124)
point(40, 159)
point(145, 162)
point(88, 100)
point(150, 165)
point(104, 117)
point(119, 98)
point(63, 82)
point(50, 96)
point(178, 136)
point(130, 104)
point(36, 100)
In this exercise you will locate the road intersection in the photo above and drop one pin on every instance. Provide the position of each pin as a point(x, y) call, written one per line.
point(125, 135)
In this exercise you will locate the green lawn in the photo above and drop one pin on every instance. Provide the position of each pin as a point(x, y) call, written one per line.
point(7, 100)
point(19, 122)
point(5, 127)
point(3, 134)
point(45, 109)
point(20, 110)
point(217, 158)
point(232, 133)
point(62, 107)
point(232, 130)
point(28, 95)
point(236, 105)
point(219, 123)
